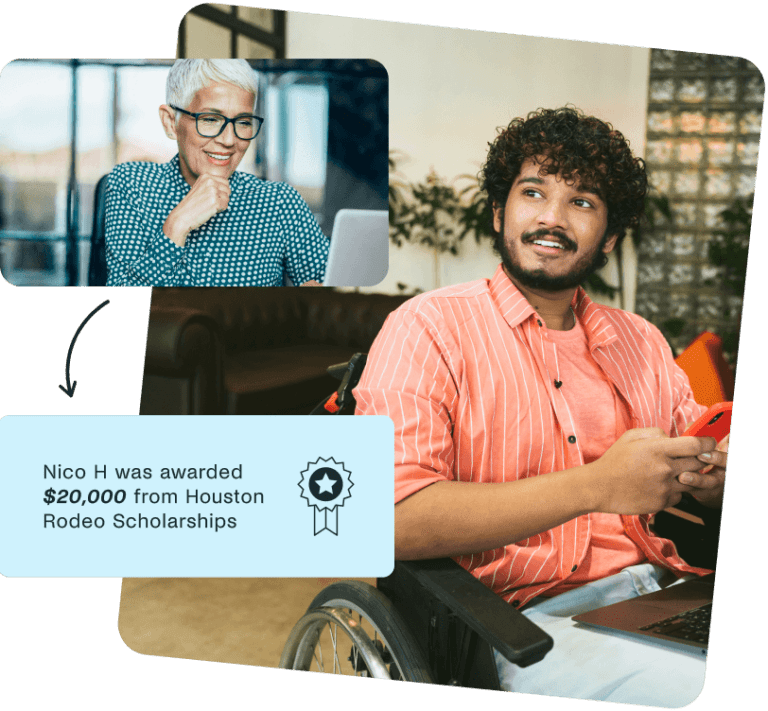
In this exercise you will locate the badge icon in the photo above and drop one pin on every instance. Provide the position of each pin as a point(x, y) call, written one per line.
point(326, 484)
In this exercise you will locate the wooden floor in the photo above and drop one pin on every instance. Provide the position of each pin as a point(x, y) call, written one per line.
point(234, 620)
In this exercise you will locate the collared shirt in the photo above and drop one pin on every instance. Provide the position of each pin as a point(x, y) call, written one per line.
point(266, 232)
point(468, 375)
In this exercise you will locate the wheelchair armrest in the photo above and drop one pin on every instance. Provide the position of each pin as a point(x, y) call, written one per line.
point(495, 621)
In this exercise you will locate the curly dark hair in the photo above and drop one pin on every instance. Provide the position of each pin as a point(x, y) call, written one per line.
point(576, 147)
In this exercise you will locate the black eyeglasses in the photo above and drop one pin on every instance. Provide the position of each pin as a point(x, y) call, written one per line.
point(211, 125)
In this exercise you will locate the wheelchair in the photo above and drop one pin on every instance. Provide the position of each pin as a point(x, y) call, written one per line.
point(429, 621)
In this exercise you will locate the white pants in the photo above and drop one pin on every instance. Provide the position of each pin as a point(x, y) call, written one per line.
point(588, 663)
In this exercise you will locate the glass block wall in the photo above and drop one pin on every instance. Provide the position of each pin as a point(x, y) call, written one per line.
point(704, 114)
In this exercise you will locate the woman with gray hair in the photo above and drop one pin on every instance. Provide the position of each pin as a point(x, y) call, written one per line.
point(195, 221)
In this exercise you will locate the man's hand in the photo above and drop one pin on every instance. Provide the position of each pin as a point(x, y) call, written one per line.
point(207, 197)
point(707, 484)
point(642, 472)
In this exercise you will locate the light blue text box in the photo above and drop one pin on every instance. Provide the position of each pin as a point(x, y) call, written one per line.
point(273, 533)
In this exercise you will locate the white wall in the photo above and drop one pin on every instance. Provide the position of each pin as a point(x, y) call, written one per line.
point(450, 89)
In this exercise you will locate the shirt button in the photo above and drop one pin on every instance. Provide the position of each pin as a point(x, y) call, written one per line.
point(558, 383)
point(573, 570)
point(538, 321)
point(515, 603)
point(572, 439)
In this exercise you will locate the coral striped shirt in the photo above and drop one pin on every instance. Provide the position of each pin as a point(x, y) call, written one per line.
point(467, 373)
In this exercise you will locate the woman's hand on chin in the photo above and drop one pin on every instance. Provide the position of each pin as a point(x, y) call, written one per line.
point(208, 196)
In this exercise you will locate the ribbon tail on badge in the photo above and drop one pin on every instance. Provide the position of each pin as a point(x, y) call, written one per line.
point(327, 520)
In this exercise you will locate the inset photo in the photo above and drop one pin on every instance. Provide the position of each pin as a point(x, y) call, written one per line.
point(194, 172)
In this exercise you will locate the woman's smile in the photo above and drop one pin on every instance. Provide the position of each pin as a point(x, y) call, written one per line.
point(221, 154)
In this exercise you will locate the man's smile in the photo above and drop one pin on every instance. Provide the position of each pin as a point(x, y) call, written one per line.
point(549, 241)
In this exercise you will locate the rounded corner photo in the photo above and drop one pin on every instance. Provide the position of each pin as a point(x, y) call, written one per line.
point(194, 172)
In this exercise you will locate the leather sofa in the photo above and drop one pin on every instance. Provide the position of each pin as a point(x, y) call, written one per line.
point(254, 351)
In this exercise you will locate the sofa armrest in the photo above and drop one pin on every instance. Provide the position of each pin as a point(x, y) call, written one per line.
point(184, 365)
point(177, 339)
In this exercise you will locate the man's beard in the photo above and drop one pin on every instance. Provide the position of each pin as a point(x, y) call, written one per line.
point(538, 278)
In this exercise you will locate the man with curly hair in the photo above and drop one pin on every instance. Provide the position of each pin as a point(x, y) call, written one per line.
point(535, 431)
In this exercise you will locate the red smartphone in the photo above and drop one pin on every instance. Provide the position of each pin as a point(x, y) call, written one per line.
point(715, 422)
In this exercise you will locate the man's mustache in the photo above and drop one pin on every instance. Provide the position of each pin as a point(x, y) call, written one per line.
point(567, 242)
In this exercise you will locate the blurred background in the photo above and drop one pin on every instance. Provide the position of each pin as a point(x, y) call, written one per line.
point(66, 123)
point(695, 119)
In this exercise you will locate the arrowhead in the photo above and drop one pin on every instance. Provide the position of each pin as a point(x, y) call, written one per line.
point(69, 391)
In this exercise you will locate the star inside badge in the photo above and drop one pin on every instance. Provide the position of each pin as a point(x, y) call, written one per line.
point(326, 484)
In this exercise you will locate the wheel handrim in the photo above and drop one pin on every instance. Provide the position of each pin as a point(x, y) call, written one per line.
point(305, 644)
point(378, 636)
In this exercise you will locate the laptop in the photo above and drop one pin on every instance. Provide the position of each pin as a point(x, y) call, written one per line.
point(677, 616)
point(359, 253)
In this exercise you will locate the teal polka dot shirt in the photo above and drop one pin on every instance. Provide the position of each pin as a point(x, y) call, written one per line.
point(266, 233)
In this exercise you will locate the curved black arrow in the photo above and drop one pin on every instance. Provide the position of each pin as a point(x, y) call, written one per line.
point(70, 389)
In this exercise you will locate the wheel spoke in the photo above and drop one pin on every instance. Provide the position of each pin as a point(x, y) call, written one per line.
point(336, 664)
point(319, 660)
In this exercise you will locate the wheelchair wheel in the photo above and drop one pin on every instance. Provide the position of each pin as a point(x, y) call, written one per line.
point(351, 628)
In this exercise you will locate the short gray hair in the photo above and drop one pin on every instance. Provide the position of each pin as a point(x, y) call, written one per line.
point(188, 76)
